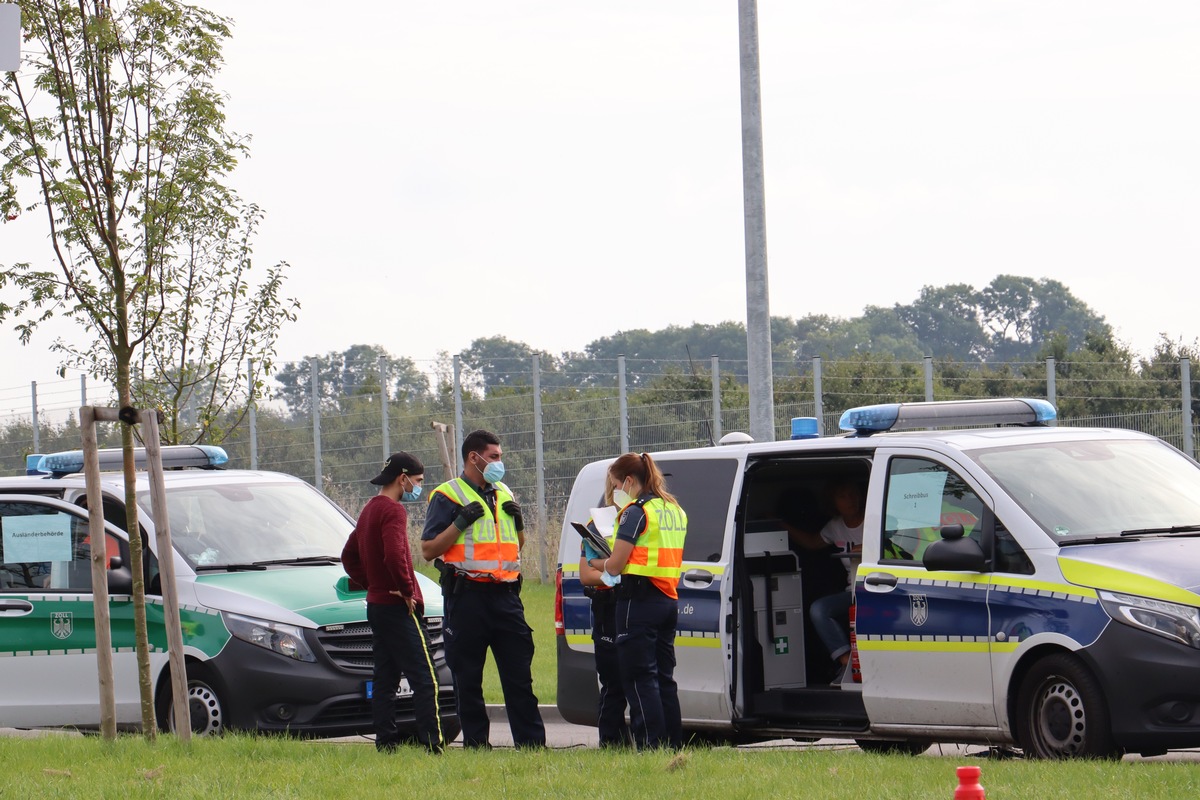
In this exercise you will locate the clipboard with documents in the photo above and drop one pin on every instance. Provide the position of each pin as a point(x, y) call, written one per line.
point(594, 539)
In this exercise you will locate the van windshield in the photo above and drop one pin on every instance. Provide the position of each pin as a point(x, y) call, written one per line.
point(1082, 490)
point(239, 524)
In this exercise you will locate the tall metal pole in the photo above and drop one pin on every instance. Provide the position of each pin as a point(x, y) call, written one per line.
point(758, 315)
point(539, 460)
point(383, 406)
point(316, 420)
point(716, 400)
point(37, 448)
point(622, 404)
point(1185, 374)
point(253, 414)
point(458, 411)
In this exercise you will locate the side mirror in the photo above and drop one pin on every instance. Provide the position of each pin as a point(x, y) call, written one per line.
point(954, 553)
point(120, 579)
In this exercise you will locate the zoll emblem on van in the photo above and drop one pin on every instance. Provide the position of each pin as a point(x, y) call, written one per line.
point(918, 609)
point(60, 624)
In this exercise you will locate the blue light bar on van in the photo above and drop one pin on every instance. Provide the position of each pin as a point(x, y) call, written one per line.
point(866, 420)
point(203, 456)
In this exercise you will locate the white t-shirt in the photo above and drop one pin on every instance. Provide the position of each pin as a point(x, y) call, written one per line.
point(837, 532)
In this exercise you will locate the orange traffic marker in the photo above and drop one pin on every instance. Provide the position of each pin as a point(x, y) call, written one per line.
point(968, 784)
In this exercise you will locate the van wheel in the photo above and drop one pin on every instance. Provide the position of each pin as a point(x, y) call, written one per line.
point(1061, 712)
point(205, 706)
point(892, 747)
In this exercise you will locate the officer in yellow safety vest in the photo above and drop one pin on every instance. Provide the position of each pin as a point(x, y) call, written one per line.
point(645, 565)
point(474, 527)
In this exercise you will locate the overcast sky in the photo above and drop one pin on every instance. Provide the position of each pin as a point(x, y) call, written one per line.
point(556, 171)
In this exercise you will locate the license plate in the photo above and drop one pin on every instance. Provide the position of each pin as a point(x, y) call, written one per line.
point(404, 691)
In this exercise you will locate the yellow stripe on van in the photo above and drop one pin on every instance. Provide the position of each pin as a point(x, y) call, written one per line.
point(917, 644)
point(1118, 580)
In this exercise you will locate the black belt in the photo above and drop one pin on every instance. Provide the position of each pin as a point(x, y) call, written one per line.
point(490, 586)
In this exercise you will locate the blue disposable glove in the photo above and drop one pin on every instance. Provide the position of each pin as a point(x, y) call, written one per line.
point(590, 552)
point(609, 580)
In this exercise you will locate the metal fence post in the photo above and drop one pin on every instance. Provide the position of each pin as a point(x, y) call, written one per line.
point(929, 379)
point(458, 409)
point(33, 391)
point(82, 390)
point(253, 414)
point(622, 404)
point(316, 416)
point(1185, 376)
point(1051, 387)
point(539, 462)
point(383, 406)
point(818, 396)
point(716, 399)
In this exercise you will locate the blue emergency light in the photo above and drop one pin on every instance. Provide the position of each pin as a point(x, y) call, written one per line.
point(203, 456)
point(866, 420)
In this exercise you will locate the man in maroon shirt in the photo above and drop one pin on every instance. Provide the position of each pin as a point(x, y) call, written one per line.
point(377, 558)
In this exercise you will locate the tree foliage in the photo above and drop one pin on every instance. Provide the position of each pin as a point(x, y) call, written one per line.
point(115, 128)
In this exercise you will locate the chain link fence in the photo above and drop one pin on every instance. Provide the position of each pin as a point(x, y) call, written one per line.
point(550, 432)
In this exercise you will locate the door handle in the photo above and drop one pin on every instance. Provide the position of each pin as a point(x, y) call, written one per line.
point(698, 576)
point(11, 607)
point(880, 581)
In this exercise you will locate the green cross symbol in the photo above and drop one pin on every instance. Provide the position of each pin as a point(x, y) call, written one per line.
point(781, 645)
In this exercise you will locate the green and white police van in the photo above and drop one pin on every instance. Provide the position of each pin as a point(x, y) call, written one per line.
point(1020, 585)
point(273, 639)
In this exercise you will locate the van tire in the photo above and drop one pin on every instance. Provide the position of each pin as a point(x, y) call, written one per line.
point(205, 704)
point(892, 747)
point(1062, 713)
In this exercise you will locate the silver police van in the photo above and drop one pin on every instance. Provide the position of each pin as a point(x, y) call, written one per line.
point(1019, 585)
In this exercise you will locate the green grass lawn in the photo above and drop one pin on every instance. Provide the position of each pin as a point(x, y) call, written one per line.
point(57, 766)
point(539, 613)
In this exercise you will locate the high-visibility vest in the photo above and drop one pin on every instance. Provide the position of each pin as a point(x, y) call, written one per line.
point(490, 549)
point(658, 552)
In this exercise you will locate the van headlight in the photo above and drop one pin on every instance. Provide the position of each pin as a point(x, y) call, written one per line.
point(1171, 620)
point(287, 640)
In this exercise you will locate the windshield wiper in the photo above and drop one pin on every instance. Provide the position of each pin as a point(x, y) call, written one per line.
point(228, 567)
point(304, 560)
point(1152, 531)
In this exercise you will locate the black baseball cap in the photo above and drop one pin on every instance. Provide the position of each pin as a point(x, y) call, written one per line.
point(398, 464)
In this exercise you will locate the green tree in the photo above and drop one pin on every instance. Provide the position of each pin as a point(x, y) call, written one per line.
point(115, 126)
point(945, 320)
point(352, 371)
point(1020, 314)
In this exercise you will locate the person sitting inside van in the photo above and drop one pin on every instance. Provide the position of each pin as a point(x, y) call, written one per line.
point(830, 615)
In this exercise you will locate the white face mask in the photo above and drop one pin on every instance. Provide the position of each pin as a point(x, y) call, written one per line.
point(621, 498)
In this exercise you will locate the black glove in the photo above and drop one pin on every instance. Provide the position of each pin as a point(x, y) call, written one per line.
point(468, 515)
point(513, 510)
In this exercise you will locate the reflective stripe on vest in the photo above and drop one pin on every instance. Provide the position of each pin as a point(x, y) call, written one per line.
point(490, 549)
point(658, 552)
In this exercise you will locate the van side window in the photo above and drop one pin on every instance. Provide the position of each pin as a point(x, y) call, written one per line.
point(704, 489)
point(42, 549)
point(922, 496)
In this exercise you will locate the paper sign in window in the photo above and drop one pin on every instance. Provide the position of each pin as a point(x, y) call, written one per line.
point(915, 500)
point(35, 538)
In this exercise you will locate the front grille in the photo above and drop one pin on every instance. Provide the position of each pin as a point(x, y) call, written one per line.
point(349, 646)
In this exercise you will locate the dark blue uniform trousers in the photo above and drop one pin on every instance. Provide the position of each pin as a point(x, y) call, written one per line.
point(646, 653)
point(399, 646)
point(492, 616)
point(611, 721)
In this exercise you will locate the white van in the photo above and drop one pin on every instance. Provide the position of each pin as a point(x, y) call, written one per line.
point(1020, 585)
point(273, 638)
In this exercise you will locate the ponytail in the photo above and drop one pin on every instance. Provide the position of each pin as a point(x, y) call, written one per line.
point(641, 467)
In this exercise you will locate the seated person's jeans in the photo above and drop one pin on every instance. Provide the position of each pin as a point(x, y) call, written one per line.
point(831, 618)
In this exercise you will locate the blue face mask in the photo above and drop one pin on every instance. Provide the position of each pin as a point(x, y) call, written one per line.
point(409, 497)
point(494, 471)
